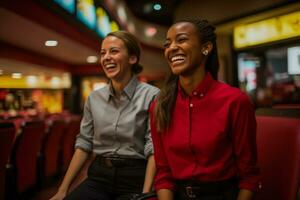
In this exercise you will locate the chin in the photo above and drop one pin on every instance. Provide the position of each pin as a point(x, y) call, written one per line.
point(177, 71)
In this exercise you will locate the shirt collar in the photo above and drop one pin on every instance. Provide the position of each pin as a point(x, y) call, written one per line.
point(202, 87)
point(128, 90)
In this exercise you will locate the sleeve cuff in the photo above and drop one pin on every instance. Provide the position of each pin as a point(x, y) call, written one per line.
point(83, 144)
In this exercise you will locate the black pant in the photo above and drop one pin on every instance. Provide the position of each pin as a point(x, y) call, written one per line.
point(219, 190)
point(111, 182)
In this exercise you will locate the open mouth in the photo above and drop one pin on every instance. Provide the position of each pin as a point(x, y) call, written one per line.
point(110, 66)
point(177, 59)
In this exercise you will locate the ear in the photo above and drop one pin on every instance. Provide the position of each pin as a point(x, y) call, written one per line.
point(207, 47)
point(132, 59)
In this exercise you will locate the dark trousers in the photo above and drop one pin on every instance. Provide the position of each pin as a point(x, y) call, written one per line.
point(107, 181)
point(219, 190)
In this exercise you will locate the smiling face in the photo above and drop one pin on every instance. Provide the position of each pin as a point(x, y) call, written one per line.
point(115, 60)
point(183, 49)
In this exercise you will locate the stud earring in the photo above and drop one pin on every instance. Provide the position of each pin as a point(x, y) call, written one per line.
point(205, 52)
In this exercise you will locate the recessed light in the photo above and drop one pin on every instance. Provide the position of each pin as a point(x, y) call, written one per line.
point(31, 80)
point(92, 59)
point(51, 43)
point(150, 31)
point(157, 6)
point(16, 75)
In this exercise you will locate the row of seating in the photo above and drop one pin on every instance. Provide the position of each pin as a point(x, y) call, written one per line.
point(278, 141)
point(278, 146)
point(35, 153)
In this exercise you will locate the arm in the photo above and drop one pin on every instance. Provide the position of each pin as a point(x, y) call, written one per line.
point(245, 194)
point(244, 144)
point(77, 162)
point(164, 183)
point(83, 146)
point(165, 194)
point(149, 176)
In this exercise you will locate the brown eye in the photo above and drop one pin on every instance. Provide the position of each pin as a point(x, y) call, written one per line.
point(114, 51)
point(182, 39)
point(102, 53)
point(166, 44)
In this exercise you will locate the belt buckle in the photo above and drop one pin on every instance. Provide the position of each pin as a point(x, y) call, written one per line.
point(189, 192)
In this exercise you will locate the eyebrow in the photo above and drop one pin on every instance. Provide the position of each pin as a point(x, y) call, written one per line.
point(110, 48)
point(177, 35)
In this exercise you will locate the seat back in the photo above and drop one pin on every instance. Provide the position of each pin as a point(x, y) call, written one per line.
point(68, 141)
point(7, 134)
point(25, 152)
point(278, 143)
point(51, 146)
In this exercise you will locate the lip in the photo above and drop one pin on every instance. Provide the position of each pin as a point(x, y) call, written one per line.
point(109, 65)
point(176, 59)
point(175, 55)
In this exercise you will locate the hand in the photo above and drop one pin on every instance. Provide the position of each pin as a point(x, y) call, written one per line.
point(60, 195)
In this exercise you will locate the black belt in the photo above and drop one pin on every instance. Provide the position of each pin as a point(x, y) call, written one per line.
point(192, 189)
point(120, 162)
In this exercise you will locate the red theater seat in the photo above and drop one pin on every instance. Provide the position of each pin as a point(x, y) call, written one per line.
point(51, 146)
point(24, 155)
point(278, 140)
point(7, 134)
point(68, 141)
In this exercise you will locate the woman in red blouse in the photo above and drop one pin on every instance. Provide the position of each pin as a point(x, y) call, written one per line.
point(204, 131)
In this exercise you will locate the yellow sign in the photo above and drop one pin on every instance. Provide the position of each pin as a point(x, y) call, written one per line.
point(269, 30)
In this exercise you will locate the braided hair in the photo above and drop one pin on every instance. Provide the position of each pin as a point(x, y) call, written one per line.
point(167, 97)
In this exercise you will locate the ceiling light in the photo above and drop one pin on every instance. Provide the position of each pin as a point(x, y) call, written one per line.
point(51, 43)
point(16, 75)
point(157, 6)
point(31, 80)
point(55, 81)
point(150, 31)
point(92, 59)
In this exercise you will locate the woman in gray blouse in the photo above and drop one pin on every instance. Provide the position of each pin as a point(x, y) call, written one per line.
point(115, 128)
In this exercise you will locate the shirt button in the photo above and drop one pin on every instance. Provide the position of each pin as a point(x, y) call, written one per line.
point(195, 93)
point(201, 95)
point(191, 105)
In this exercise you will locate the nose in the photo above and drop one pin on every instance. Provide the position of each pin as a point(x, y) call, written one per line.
point(172, 46)
point(105, 56)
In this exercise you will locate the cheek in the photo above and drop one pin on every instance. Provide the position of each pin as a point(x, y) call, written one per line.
point(166, 54)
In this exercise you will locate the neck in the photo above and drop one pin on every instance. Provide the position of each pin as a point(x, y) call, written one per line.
point(119, 85)
point(191, 81)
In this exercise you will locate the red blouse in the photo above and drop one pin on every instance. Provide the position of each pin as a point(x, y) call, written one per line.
point(212, 136)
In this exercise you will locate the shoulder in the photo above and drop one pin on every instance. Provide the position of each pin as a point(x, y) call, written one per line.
point(226, 90)
point(231, 93)
point(147, 88)
point(99, 93)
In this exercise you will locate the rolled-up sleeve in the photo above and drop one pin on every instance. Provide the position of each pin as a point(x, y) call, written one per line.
point(244, 141)
point(148, 150)
point(84, 139)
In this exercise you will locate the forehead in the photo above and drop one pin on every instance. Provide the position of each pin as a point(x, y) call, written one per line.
point(182, 28)
point(112, 41)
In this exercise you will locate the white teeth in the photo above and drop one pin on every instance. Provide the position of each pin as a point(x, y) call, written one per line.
point(176, 58)
point(110, 65)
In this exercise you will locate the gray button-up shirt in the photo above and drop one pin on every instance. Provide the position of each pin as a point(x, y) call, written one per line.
point(112, 126)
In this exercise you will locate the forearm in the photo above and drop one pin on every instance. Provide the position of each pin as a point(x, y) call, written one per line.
point(77, 162)
point(245, 195)
point(165, 194)
point(150, 173)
